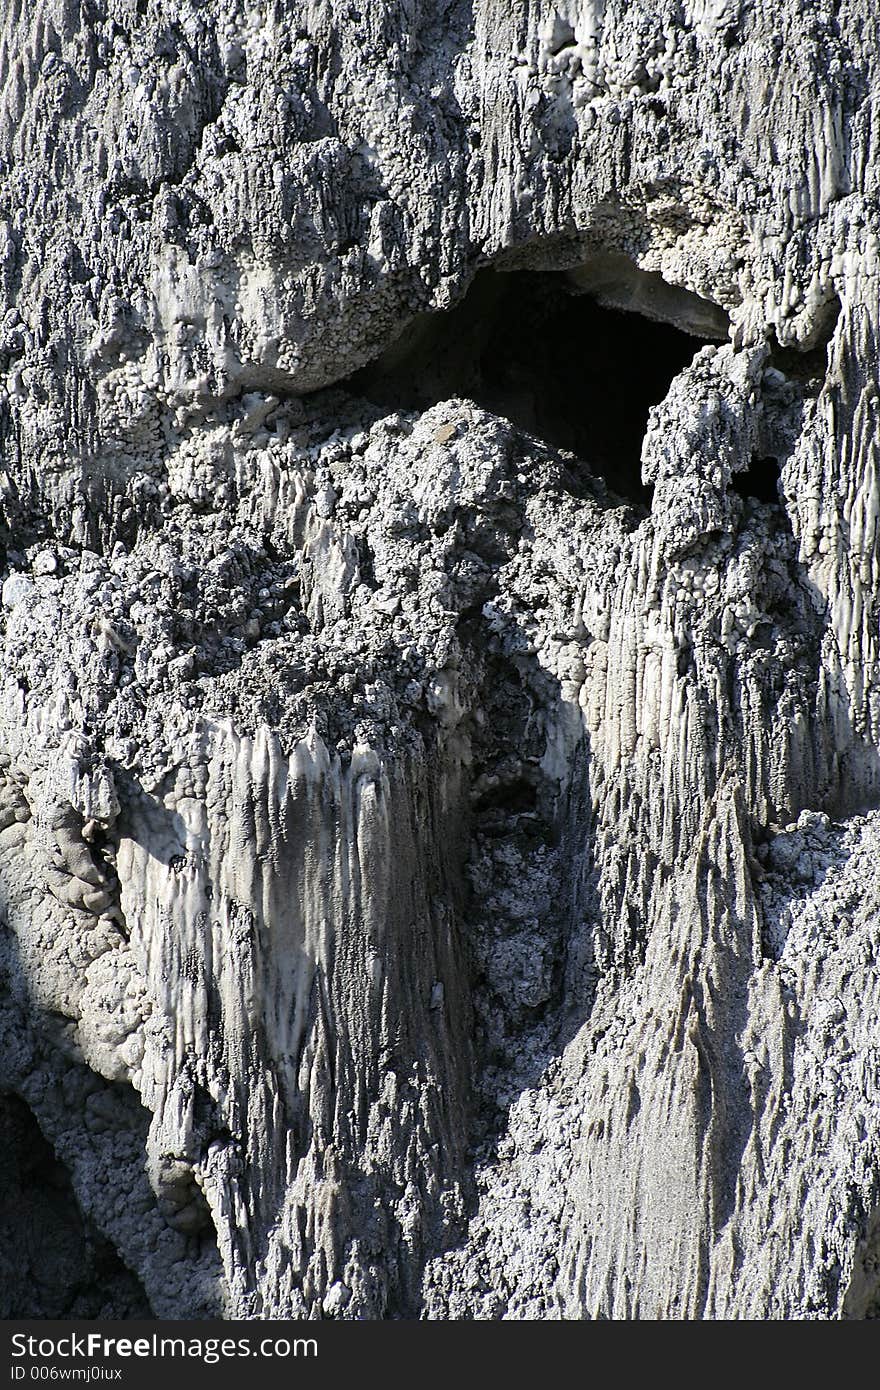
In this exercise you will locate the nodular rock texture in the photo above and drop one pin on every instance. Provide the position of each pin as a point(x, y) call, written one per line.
point(440, 855)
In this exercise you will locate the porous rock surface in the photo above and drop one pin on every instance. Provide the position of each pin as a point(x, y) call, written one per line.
point(439, 875)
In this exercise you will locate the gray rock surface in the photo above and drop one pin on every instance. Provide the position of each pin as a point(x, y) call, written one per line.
point(441, 665)
point(53, 1264)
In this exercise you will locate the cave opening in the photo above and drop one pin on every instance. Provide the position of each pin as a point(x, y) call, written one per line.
point(557, 363)
point(760, 481)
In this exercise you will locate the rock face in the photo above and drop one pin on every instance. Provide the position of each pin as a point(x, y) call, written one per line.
point(439, 864)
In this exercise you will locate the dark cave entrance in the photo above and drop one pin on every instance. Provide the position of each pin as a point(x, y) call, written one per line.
point(760, 481)
point(556, 363)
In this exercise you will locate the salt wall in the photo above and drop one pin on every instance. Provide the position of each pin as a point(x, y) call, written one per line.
point(440, 855)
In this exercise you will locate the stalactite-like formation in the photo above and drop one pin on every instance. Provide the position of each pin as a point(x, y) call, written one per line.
point(440, 693)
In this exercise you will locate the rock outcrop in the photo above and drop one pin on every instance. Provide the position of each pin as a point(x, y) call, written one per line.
point(439, 773)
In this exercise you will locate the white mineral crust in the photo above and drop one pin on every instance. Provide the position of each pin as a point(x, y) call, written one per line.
point(440, 876)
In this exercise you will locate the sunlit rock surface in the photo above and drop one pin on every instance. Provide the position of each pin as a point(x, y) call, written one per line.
point(439, 845)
